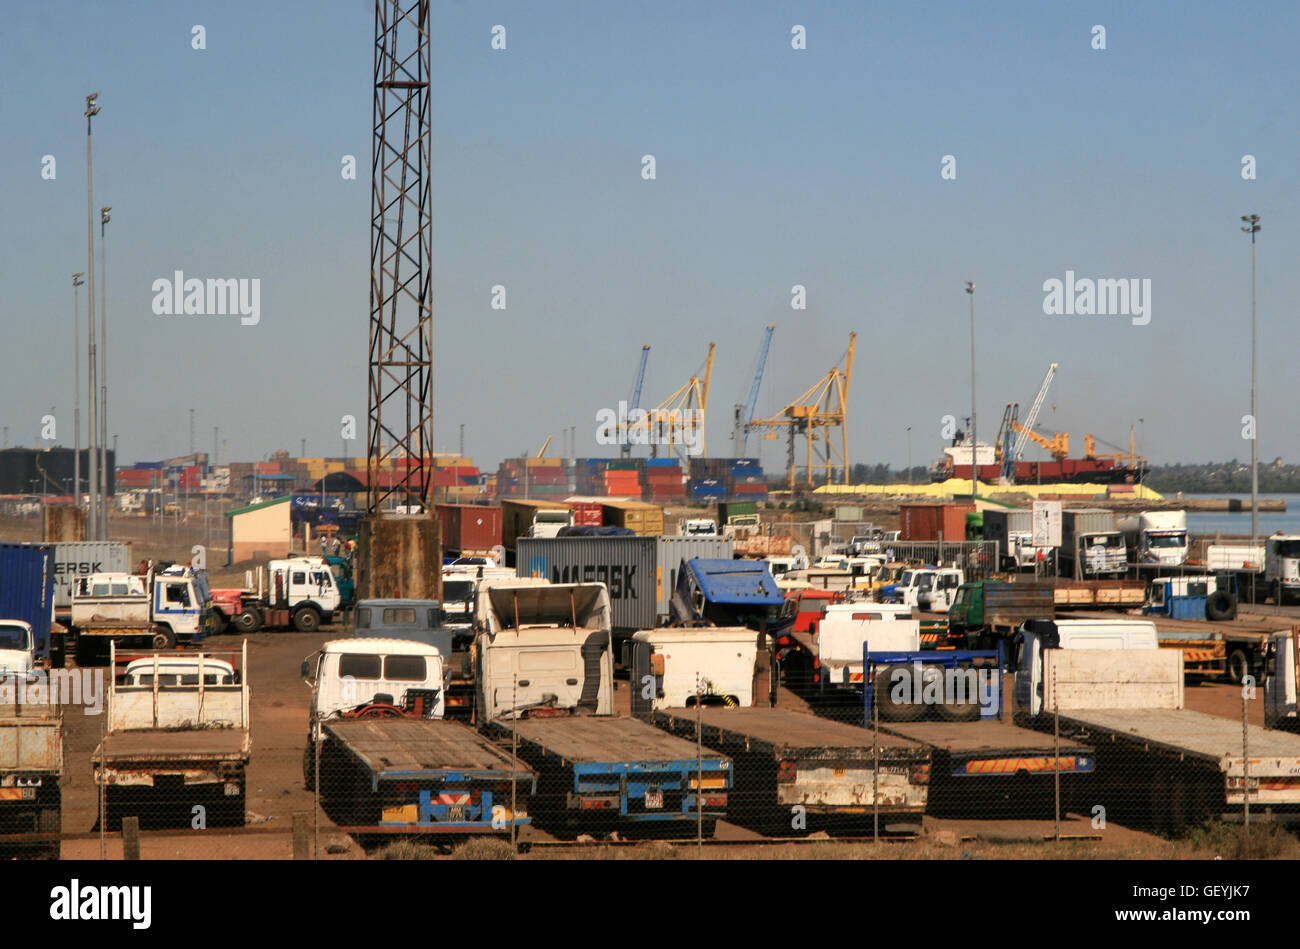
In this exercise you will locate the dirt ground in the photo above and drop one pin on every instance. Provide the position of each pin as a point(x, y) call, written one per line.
point(275, 789)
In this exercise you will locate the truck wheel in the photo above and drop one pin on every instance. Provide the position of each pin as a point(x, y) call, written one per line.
point(248, 621)
point(959, 711)
point(907, 707)
point(1238, 666)
point(164, 638)
point(1221, 607)
point(306, 620)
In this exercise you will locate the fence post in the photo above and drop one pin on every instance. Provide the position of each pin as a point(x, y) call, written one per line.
point(1245, 753)
point(1056, 741)
point(875, 762)
point(300, 850)
point(130, 838)
point(699, 772)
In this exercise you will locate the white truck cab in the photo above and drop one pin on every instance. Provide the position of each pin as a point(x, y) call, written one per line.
point(699, 527)
point(845, 628)
point(17, 648)
point(173, 672)
point(1282, 564)
point(547, 522)
point(930, 588)
point(304, 580)
point(669, 665)
point(1036, 637)
point(349, 674)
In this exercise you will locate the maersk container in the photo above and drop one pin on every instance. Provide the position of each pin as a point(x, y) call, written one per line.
point(640, 572)
point(27, 589)
point(81, 558)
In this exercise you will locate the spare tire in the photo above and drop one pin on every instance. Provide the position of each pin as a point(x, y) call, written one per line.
point(907, 707)
point(1221, 606)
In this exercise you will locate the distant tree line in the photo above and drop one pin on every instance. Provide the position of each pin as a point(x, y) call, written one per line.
point(1223, 477)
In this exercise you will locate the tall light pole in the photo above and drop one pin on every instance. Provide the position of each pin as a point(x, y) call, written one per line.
point(974, 466)
point(77, 283)
point(909, 456)
point(92, 110)
point(1251, 228)
point(103, 372)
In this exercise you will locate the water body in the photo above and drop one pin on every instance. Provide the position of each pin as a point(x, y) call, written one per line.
point(1207, 523)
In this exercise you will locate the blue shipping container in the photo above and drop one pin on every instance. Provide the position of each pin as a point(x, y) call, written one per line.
point(27, 589)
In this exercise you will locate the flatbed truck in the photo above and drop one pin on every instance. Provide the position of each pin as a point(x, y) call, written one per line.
point(1110, 685)
point(545, 682)
point(796, 772)
point(175, 739)
point(31, 774)
point(388, 762)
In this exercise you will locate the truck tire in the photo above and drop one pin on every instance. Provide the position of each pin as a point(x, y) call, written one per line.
point(890, 708)
point(968, 711)
point(1238, 666)
point(247, 621)
point(306, 619)
point(164, 638)
point(1221, 607)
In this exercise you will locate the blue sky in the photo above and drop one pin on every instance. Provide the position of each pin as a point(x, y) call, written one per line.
point(775, 167)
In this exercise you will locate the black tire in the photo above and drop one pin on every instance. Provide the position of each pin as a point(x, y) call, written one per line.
point(1221, 606)
point(164, 638)
point(306, 619)
point(968, 711)
point(249, 621)
point(891, 709)
point(1238, 666)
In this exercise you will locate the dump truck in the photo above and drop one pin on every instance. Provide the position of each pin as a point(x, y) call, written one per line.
point(387, 760)
point(545, 684)
point(987, 611)
point(177, 737)
point(31, 771)
point(1109, 684)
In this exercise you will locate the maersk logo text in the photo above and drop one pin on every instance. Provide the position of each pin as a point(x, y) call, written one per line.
point(1102, 297)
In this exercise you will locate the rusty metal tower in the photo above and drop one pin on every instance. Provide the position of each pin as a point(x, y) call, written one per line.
point(399, 429)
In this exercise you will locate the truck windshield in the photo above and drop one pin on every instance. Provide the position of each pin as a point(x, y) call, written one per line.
point(1166, 540)
point(906, 579)
point(13, 637)
point(1288, 548)
point(1106, 540)
point(457, 589)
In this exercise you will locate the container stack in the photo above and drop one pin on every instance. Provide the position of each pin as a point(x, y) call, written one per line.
point(713, 478)
point(663, 480)
point(746, 479)
point(541, 478)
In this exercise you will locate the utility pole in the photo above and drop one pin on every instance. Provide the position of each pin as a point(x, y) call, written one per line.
point(103, 371)
point(92, 109)
point(974, 466)
point(77, 282)
point(1252, 228)
point(462, 439)
point(909, 456)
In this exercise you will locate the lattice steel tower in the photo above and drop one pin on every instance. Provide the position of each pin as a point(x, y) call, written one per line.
point(400, 425)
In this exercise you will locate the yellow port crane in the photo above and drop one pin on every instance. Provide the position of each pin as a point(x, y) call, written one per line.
point(679, 419)
point(1058, 446)
point(819, 408)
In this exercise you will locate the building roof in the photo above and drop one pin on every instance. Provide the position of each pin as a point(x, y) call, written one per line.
point(257, 507)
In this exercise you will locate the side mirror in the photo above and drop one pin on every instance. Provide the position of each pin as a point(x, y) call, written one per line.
point(306, 669)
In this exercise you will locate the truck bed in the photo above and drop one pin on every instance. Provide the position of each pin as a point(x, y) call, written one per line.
point(415, 747)
point(31, 741)
point(592, 739)
point(1209, 737)
point(167, 745)
point(994, 747)
point(783, 730)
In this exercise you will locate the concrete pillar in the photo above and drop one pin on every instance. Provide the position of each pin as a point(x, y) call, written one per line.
point(64, 522)
point(400, 555)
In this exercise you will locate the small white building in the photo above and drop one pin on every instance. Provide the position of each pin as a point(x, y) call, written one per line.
point(261, 531)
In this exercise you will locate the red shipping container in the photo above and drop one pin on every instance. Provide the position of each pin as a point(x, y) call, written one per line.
point(587, 513)
point(469, 528)
point(926, 521)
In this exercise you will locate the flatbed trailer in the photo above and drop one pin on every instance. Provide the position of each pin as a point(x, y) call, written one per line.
point(1099, 594)
point(1199, 767)
point(996, 769)
point(794, 770)
point(603, 773)
point(31, 772)
point(421, 776)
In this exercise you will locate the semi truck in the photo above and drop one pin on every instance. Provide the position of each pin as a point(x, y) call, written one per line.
point(160, 609)
point(1092, 547)
point(1156, 537)
point(177, 736)
point(301, 593)
point(1272, 567)
point(545, 684)
point(1108, 682)
point(389, 762)
point(31, 771)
